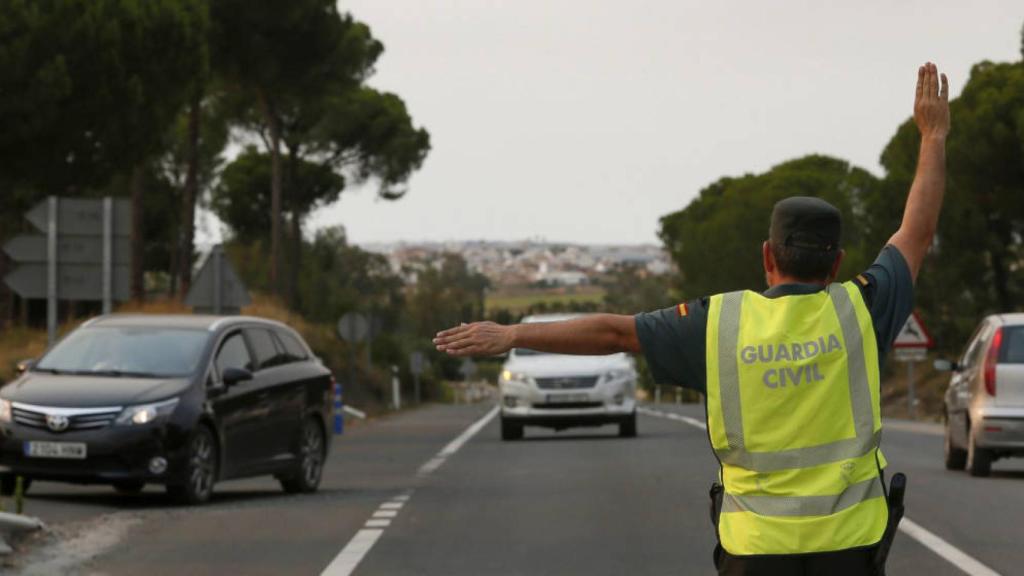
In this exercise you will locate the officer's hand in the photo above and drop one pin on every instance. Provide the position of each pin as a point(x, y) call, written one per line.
point(476, 339)
point(931, 103)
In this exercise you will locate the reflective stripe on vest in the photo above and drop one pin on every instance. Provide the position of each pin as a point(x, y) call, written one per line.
point(804, 476)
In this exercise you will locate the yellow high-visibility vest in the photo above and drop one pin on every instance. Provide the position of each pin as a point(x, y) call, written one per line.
point(794, 418)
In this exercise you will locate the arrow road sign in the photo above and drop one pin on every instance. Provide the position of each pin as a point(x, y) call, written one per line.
point(74, 282)
point(70, 249)
point(83, 216)
point(913, 334)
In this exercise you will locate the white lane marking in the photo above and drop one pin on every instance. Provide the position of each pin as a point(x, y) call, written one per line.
point(454, 445)
point(677, 417)
point(434, 463)
point(947, 551)
point(359, 546)
point(942, 548)
point(350, 557)
point(431, 465)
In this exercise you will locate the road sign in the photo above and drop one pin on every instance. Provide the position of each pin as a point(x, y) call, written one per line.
point(913, 334)
point(83, 216)
point(74, 282)
point(353, 327)
point(70, 249)
point(467, 369)
point(906, 354)
point(217, 289)
point(416, 361)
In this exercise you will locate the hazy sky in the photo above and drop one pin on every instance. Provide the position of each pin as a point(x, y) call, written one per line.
point(587, 120)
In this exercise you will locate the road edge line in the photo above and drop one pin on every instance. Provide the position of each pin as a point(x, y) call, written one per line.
point(955, 556)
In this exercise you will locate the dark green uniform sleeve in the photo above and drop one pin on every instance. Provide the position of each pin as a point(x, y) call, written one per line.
point(675, 345)
point(889, 294)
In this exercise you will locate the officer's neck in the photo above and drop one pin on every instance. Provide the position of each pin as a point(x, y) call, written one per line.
point(775, 279)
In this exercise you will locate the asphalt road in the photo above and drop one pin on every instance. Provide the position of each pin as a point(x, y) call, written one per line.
point(416, 494)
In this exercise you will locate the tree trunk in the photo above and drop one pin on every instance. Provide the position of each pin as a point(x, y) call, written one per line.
point(137, 287)
point(275, 193)
point(188, 196)
point(295, 246)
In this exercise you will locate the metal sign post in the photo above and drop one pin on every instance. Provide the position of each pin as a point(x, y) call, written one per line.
point(416, 361)
point(51, 271)
point(911, 346)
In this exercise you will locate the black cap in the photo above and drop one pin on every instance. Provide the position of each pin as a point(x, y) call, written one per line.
point(807, 223)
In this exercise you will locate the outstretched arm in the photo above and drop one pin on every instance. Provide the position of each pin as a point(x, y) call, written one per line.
point(596, 334)
point(921, 215)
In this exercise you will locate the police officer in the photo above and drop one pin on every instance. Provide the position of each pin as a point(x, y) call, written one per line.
point(790, 375)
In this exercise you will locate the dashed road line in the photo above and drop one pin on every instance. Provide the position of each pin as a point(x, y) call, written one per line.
point(359, 546)
point(966, 563)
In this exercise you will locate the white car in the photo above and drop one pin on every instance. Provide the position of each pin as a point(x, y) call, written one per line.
point(560, 391)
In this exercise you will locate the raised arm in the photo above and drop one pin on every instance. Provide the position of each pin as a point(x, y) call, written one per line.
point(921, 215)
point(596, 334)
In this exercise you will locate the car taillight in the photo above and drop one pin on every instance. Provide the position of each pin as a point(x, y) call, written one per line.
point(991, 360)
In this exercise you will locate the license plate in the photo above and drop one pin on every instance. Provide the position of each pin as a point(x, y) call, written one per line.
point(72, 450)
point(567, 398)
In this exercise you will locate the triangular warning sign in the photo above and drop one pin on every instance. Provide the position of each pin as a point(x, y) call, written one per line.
point(217, 289)
point(913, 334)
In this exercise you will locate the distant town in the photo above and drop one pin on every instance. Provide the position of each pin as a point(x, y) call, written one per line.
point(528, 262)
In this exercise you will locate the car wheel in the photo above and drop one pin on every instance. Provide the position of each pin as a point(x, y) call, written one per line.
point(979, 460)
point(200, 469)
point(627, 428)
point(129, 486)
point(956, 458)
point(9, 484)
point(511, 430)
point(312, 453)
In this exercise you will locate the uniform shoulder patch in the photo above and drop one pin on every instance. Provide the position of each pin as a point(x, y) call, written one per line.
point(683, 309)
point(862, 279)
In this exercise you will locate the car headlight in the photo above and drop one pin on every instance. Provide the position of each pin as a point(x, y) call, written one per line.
point(614, 375)
point(509, 376)
point(146, 413)
point(5, 410)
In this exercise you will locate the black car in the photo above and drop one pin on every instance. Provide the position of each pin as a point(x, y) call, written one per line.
point(183, 401)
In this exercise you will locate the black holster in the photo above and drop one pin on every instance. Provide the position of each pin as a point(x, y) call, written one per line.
point(716, 492)
point(897, 488)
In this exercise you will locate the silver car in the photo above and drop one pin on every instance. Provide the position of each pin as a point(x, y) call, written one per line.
point(985, 398)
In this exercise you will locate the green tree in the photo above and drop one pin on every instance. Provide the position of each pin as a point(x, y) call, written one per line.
point(630, 289)
point(242, 197)
point(90, 88)
point(980, 232)
point(328, 117)
point(716, 240)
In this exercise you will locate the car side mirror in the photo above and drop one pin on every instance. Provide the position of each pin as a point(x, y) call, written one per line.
point(24, 365)
point(232, 376)
point(946, 366)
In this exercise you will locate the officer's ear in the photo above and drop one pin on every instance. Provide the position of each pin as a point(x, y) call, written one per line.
point(835, 265)
point(768, 257)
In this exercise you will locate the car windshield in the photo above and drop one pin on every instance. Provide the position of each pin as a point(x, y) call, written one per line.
point(147, 352)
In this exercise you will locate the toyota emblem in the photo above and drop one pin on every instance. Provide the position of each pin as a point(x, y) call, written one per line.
point(57, 422)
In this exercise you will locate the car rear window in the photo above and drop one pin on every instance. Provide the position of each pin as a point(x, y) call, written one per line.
point(263, 346)
point(292, 348)
point(1012, 351)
